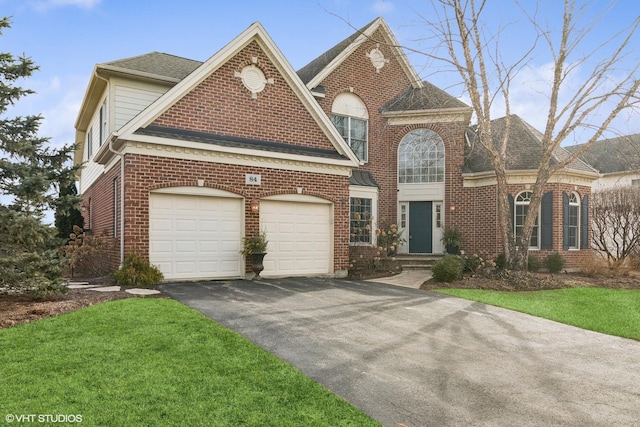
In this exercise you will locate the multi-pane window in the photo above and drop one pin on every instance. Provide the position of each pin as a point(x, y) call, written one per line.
point(103, 123)
point(521, 209)
point(354, 132)
point(403, 216)
point(90, 144)
point(574, 221)
point(421, 157)
point(360, 220)
point(438, 213)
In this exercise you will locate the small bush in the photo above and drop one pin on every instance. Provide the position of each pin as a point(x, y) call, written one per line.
point(447, 269)
point(534, 263)
point(554, 262)
point(137, 271)
point(473, 263)
point(501, 261)
point(90, 255)
point(594, 265)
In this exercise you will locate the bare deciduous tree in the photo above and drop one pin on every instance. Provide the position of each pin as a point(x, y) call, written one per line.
point(615, 223)
point(474, 51)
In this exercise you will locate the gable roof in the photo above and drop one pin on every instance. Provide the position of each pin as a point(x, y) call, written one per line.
point(256, 33)
point(524, 148)
point(427, 97)
point(614, 155)
point(317, 70)
point(155, 64)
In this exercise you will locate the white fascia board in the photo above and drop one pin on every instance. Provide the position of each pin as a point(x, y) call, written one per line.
point(199, 146)
point(366, 35)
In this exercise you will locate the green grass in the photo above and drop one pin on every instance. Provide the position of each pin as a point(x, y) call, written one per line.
point(610, 311)
point(155, 362)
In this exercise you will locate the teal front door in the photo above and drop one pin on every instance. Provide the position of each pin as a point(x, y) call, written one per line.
point(420, 228)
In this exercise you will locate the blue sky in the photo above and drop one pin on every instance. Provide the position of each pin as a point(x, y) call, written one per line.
point(66, 38)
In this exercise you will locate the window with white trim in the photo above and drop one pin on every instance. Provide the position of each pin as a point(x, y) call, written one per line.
point(438, 213)
point(574, 221)
point(350, 117)
point(103, 123)
point(421, 157)
point(90, 144)
point(360, 220)
point(522, 201)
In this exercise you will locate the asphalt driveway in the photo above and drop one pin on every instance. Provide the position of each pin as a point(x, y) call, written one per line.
point(411, 358)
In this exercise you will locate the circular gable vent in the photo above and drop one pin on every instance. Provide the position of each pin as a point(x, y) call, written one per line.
point(253, 78)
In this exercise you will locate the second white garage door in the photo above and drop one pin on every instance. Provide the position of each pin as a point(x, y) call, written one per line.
point(195, 236)
point(299, 237)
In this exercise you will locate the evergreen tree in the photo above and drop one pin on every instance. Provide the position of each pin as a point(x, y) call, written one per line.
point(65, 219)
point(31, 173)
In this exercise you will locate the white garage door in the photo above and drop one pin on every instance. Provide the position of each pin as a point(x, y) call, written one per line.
point(195, 237)
point(299, 237)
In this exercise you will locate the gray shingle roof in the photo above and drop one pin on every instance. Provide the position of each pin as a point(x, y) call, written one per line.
point(429, 97)
point(239, 142)
point(160, 64)
point(312, 69)
point(613, 155)
point(523, 150)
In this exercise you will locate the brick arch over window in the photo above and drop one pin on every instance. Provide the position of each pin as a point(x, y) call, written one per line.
point(421, 157)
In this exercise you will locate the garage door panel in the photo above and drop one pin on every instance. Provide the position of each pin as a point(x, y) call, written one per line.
point(299, 237)
point(195, 237)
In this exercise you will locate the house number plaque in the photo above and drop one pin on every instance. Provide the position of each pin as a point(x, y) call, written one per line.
point(252, 179)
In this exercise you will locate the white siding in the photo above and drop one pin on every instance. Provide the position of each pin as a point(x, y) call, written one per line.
point(91, 170)
point(131, 98)
point(614, 180)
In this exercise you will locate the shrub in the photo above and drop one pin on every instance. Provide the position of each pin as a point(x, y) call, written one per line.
point(90, 255)
point(447, 269)
point(534, 263)
point(472, 263)
point(501, 261)
point(554, 262)
point(137, 271)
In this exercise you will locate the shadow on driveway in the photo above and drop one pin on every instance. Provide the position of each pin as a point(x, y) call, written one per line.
point(409, 357)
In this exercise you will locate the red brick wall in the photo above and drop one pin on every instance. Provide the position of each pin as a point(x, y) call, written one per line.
point(481, 232)
point(98, 208)
point(375, 90)
point(146, 173)
point(222, 105)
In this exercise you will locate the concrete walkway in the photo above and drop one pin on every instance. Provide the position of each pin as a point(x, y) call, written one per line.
point(409, 278)
point(414, 358)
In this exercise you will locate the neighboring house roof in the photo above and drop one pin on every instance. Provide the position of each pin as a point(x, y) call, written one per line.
point(614, 155)
point(315, 72)
point(427, 97)
point(362, 178)
point(523, 150)
point(157, 63)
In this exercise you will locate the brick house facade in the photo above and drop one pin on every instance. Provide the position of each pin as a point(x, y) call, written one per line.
point(183, 158)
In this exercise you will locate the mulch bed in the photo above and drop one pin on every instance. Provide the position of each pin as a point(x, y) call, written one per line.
point(19, 309)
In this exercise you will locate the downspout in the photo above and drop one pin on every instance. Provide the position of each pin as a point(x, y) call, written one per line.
point(112, 137)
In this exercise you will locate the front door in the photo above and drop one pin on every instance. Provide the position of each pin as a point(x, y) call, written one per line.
point(420, 228)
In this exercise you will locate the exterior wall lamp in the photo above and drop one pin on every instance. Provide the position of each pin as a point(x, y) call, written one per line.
point(254, 205)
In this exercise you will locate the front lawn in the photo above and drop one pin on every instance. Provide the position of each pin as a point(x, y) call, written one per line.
point(610, 311)
point(155, 362)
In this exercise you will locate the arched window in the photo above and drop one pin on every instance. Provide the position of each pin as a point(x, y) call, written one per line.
point(350, 116)
point(520, 212)
point(421, 157)
point(574, 221)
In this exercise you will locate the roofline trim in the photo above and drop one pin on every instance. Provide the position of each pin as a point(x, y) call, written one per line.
point(416, 81)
